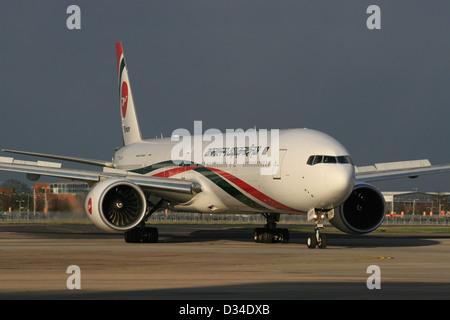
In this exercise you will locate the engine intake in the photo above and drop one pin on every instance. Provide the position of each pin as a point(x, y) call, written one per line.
point(362, 212)
point(116, 205)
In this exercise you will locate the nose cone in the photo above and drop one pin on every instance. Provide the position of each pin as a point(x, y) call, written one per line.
point(339, 181)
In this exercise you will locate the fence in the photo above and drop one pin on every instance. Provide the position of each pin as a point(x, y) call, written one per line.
point(418, 219)
point(188, 217)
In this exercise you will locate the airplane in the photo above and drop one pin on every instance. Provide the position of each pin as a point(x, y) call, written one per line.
point(307, 172)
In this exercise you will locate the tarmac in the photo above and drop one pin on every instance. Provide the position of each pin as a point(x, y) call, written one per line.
point(218, 262)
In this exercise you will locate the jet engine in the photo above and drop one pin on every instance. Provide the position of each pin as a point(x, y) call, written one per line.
point(116, 205)
point(362, 212)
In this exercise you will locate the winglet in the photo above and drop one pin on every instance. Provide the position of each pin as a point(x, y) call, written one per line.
point(130, 126)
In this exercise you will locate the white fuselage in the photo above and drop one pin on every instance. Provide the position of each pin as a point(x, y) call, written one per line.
point(293, 181)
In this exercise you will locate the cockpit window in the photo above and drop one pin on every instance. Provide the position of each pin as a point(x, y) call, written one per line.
point(329, 159)
point(312, 160)
point(317, 159)
point(345, 159)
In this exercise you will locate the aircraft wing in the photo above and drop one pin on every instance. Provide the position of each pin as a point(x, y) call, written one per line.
point(73, 159)
point(395, 170)
point(167, 188)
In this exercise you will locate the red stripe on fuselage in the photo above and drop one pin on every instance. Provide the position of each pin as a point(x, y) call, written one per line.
point(252, 191)
point(172, 172)
point(241, 184)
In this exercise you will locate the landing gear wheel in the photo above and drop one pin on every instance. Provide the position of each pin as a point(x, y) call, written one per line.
point(270, 233)
point(311, 242)
point(256, 235)
point(263, 235)
point(149, 235)
point(141, 235)
point(267, 236)
point(282, 235)
point(322, 243)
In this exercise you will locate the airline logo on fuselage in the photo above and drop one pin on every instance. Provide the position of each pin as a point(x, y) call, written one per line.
point(235, 151)
point(234, 147)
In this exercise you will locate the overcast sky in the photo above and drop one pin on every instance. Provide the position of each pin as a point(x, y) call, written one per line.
point(383, 93)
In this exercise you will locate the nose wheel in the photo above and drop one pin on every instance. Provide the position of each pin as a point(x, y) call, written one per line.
point(317, 239)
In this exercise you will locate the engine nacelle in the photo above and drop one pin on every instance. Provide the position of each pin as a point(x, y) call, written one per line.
point(116, 204)
point(362, 212)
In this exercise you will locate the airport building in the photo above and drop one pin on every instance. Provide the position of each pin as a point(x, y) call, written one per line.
point(7, 199)
point(417, 203)
point(61, 196)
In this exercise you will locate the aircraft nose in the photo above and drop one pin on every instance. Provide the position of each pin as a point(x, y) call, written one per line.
point(340, 180)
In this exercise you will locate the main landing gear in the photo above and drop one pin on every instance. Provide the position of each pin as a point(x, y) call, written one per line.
point(316, 239)
point(143, 234)
point(270, 233)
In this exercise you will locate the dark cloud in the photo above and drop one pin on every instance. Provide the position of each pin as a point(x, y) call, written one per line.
point(232, 64)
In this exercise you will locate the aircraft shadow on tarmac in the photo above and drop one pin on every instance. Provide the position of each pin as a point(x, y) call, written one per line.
point(260, 291)
point(244, 234)
point(204, 233)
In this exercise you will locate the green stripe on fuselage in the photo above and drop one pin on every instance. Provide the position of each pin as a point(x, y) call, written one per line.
point(228, 188)
point(154, 167)
point(211, 175)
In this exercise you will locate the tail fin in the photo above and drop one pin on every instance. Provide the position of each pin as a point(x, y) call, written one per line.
point(130, 125)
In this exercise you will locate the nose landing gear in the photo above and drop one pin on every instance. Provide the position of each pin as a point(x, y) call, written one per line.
point(316, 239)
